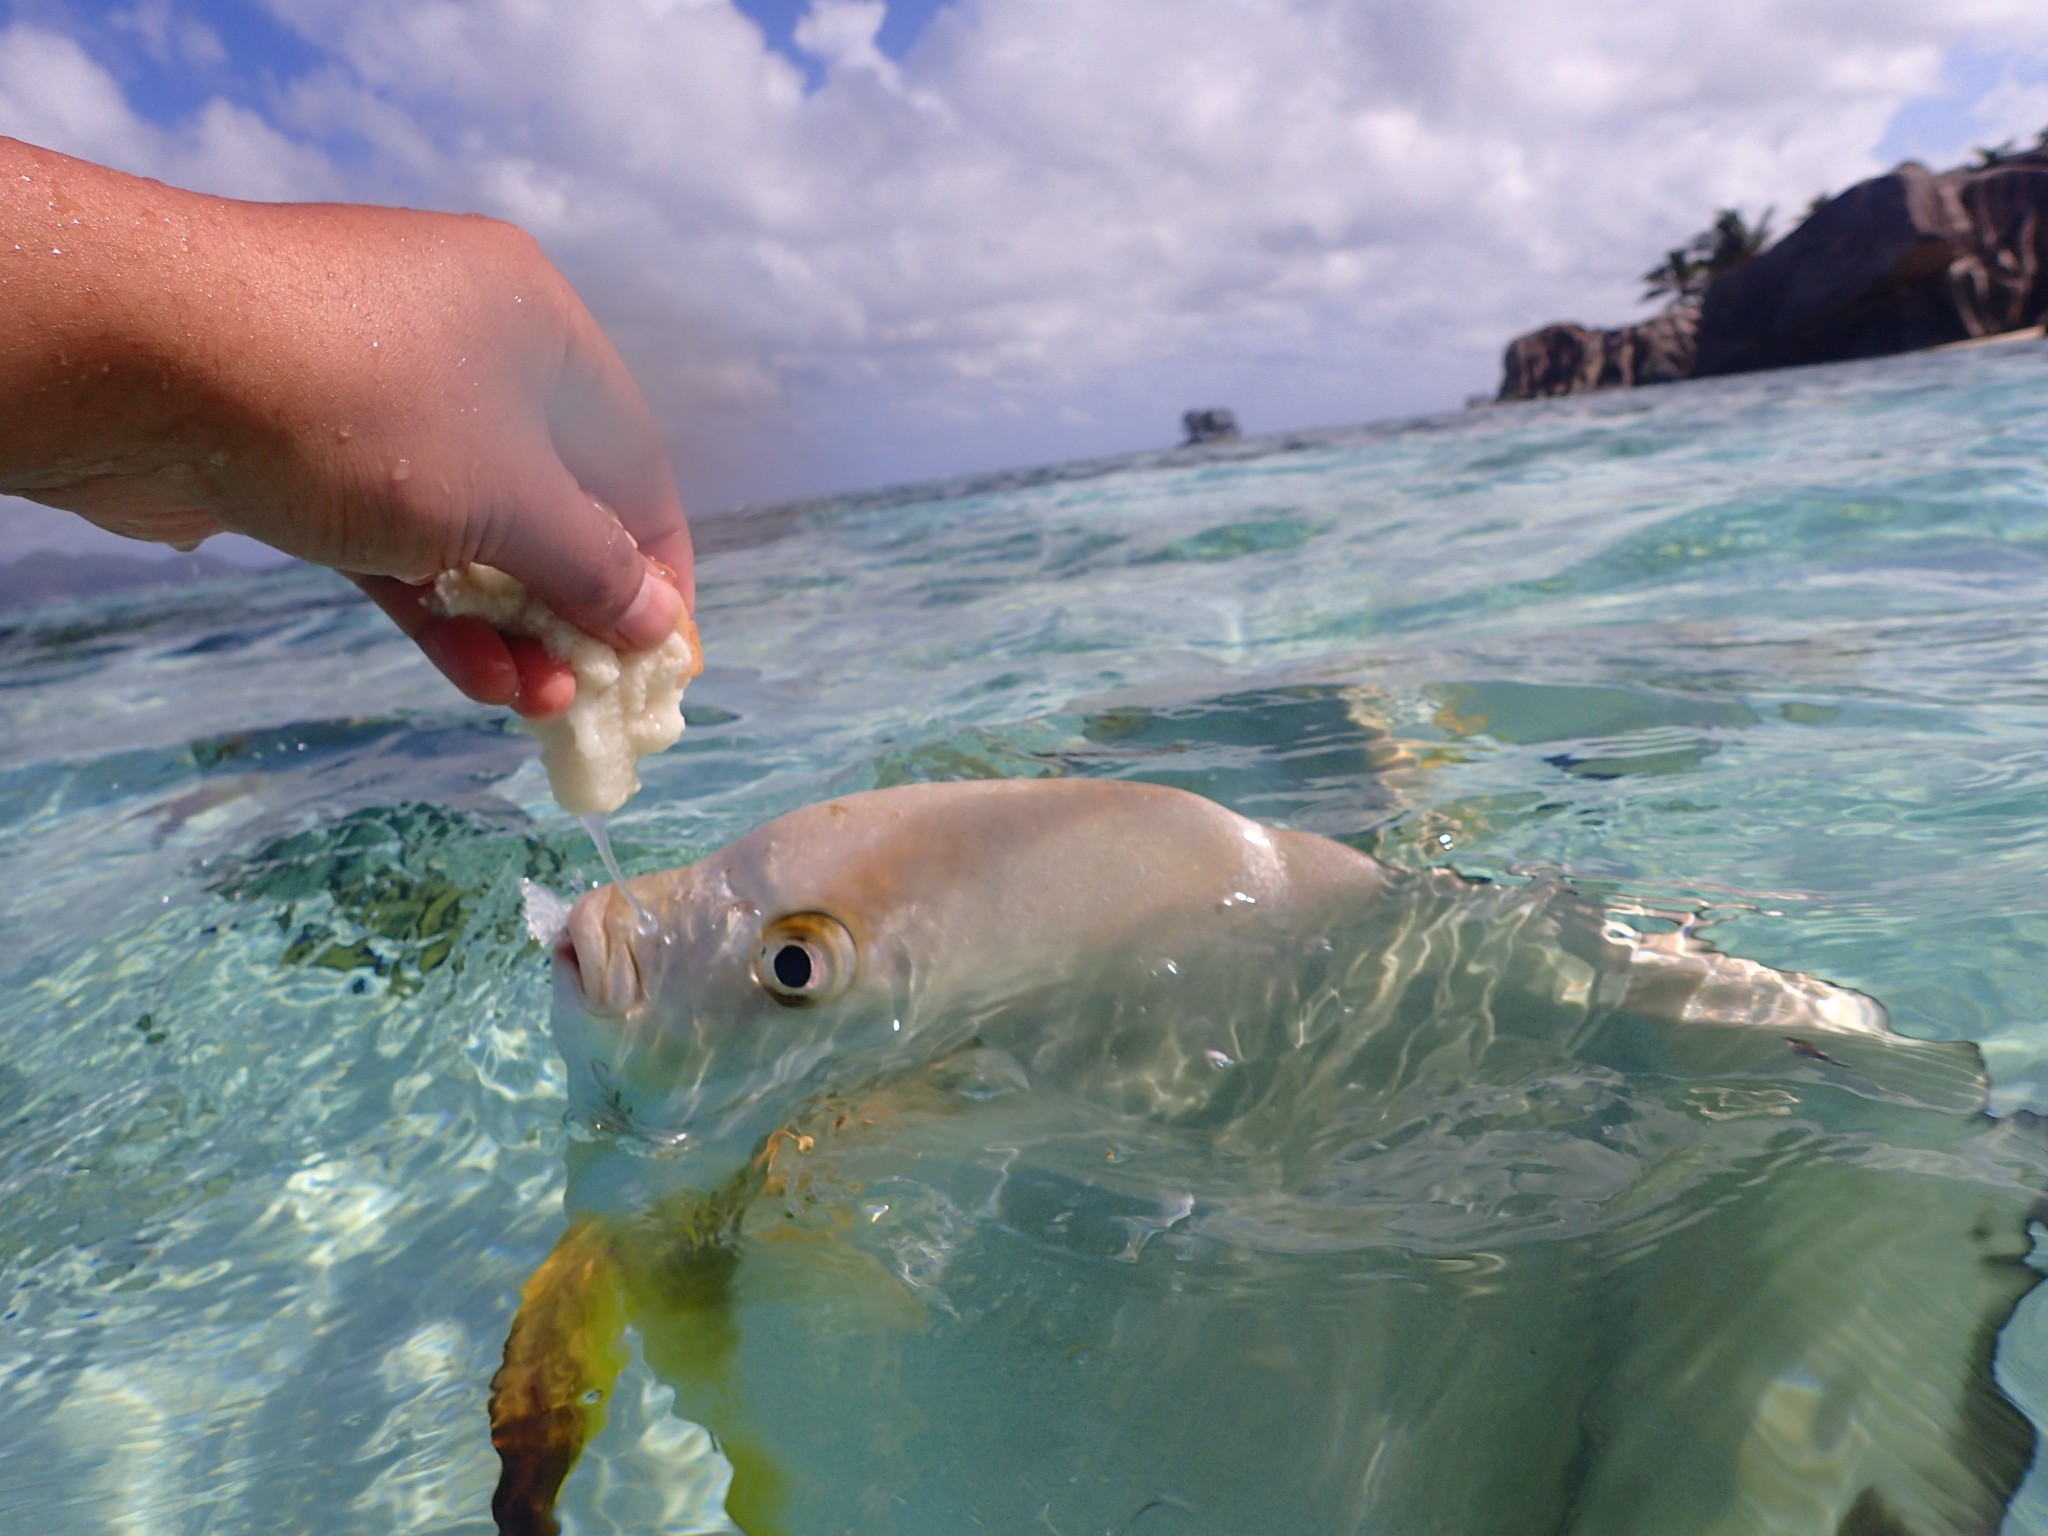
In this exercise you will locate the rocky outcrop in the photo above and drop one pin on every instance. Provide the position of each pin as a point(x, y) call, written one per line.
point(1910, 259)
point(1208, 426)
point(1906, 260)
point(1569, 359)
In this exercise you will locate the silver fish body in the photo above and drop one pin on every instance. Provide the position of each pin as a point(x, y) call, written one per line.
point(1190, 1175)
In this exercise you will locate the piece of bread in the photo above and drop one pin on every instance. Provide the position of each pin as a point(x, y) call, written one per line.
point(627, 705)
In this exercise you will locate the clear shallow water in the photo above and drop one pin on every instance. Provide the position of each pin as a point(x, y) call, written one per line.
point(283, 1127)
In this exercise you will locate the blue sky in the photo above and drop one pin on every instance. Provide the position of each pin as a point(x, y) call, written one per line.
point(1935, 126)
point(853, 242)
point(167, 78)
point(777, 19)
point(167, 82)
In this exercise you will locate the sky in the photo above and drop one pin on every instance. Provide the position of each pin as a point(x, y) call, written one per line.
point(846, 243)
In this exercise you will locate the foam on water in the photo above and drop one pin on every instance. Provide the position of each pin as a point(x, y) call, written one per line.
point(281, 1119)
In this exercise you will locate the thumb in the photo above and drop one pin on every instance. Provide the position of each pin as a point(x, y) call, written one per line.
point(566, 547)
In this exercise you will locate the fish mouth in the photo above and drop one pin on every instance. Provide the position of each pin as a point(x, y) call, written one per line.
point(595, 955)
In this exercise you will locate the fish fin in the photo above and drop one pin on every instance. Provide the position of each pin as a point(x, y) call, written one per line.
point(691, 1323)
point(1691, 1012)
point(564, 1352)
point(1926, 1074)
point(1944, 1076)
point(682, 1284)
point(1817, 1354)
point(547, 915)
point(772, 1237)
point(1679, 978)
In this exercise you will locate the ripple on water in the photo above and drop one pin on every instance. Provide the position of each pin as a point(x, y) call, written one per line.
point(283, 1124)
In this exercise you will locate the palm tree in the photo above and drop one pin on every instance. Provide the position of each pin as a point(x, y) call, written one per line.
point(1689, 270)
point(1677, 275)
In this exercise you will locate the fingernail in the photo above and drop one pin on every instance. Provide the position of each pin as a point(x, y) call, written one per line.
point(652, 618)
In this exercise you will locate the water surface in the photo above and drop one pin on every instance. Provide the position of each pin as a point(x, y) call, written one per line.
point(283, 1130)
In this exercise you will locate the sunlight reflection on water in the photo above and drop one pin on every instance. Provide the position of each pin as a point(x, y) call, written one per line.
point(283, 1125)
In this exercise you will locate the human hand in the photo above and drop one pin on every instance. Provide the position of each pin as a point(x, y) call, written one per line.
point(387, 392)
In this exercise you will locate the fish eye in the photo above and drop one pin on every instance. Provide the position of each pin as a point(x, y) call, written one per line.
point(793, 967)
point(805, 958)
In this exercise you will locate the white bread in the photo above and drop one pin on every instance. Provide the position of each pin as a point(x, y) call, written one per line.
point(626, 705)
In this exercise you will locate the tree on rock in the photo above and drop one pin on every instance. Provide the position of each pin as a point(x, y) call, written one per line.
point(1687, 271)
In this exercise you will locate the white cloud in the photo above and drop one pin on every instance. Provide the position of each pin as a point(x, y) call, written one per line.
point(170, 36)
point(55, 94)
point(2019, 116)
point(2015, 109)
point(1058, 222)
point(841, 34)
point(51, 92)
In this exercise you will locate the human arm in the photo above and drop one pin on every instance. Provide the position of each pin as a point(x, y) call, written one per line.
point(387, 392)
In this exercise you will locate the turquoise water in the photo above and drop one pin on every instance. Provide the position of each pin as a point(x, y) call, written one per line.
point(283, 1126)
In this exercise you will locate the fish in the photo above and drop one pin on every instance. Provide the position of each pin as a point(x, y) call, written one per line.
point(1080, 1155)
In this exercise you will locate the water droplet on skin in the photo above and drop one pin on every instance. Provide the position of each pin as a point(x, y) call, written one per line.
point(402, 470)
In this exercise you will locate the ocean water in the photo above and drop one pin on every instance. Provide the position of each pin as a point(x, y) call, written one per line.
point(281, 1127)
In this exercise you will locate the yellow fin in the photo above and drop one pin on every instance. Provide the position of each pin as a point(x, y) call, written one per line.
point(673, 1271)
point(564, 1353)
point(682, 1272)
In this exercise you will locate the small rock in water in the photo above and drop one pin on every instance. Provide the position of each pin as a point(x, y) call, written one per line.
point(1209, 426)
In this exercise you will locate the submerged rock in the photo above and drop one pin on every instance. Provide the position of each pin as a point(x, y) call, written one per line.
point(1914, 258)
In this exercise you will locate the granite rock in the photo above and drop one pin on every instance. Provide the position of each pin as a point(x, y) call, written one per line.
point(1212, 425)
point(1570, 359)
point(1913, 258)
point(1905, 260)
